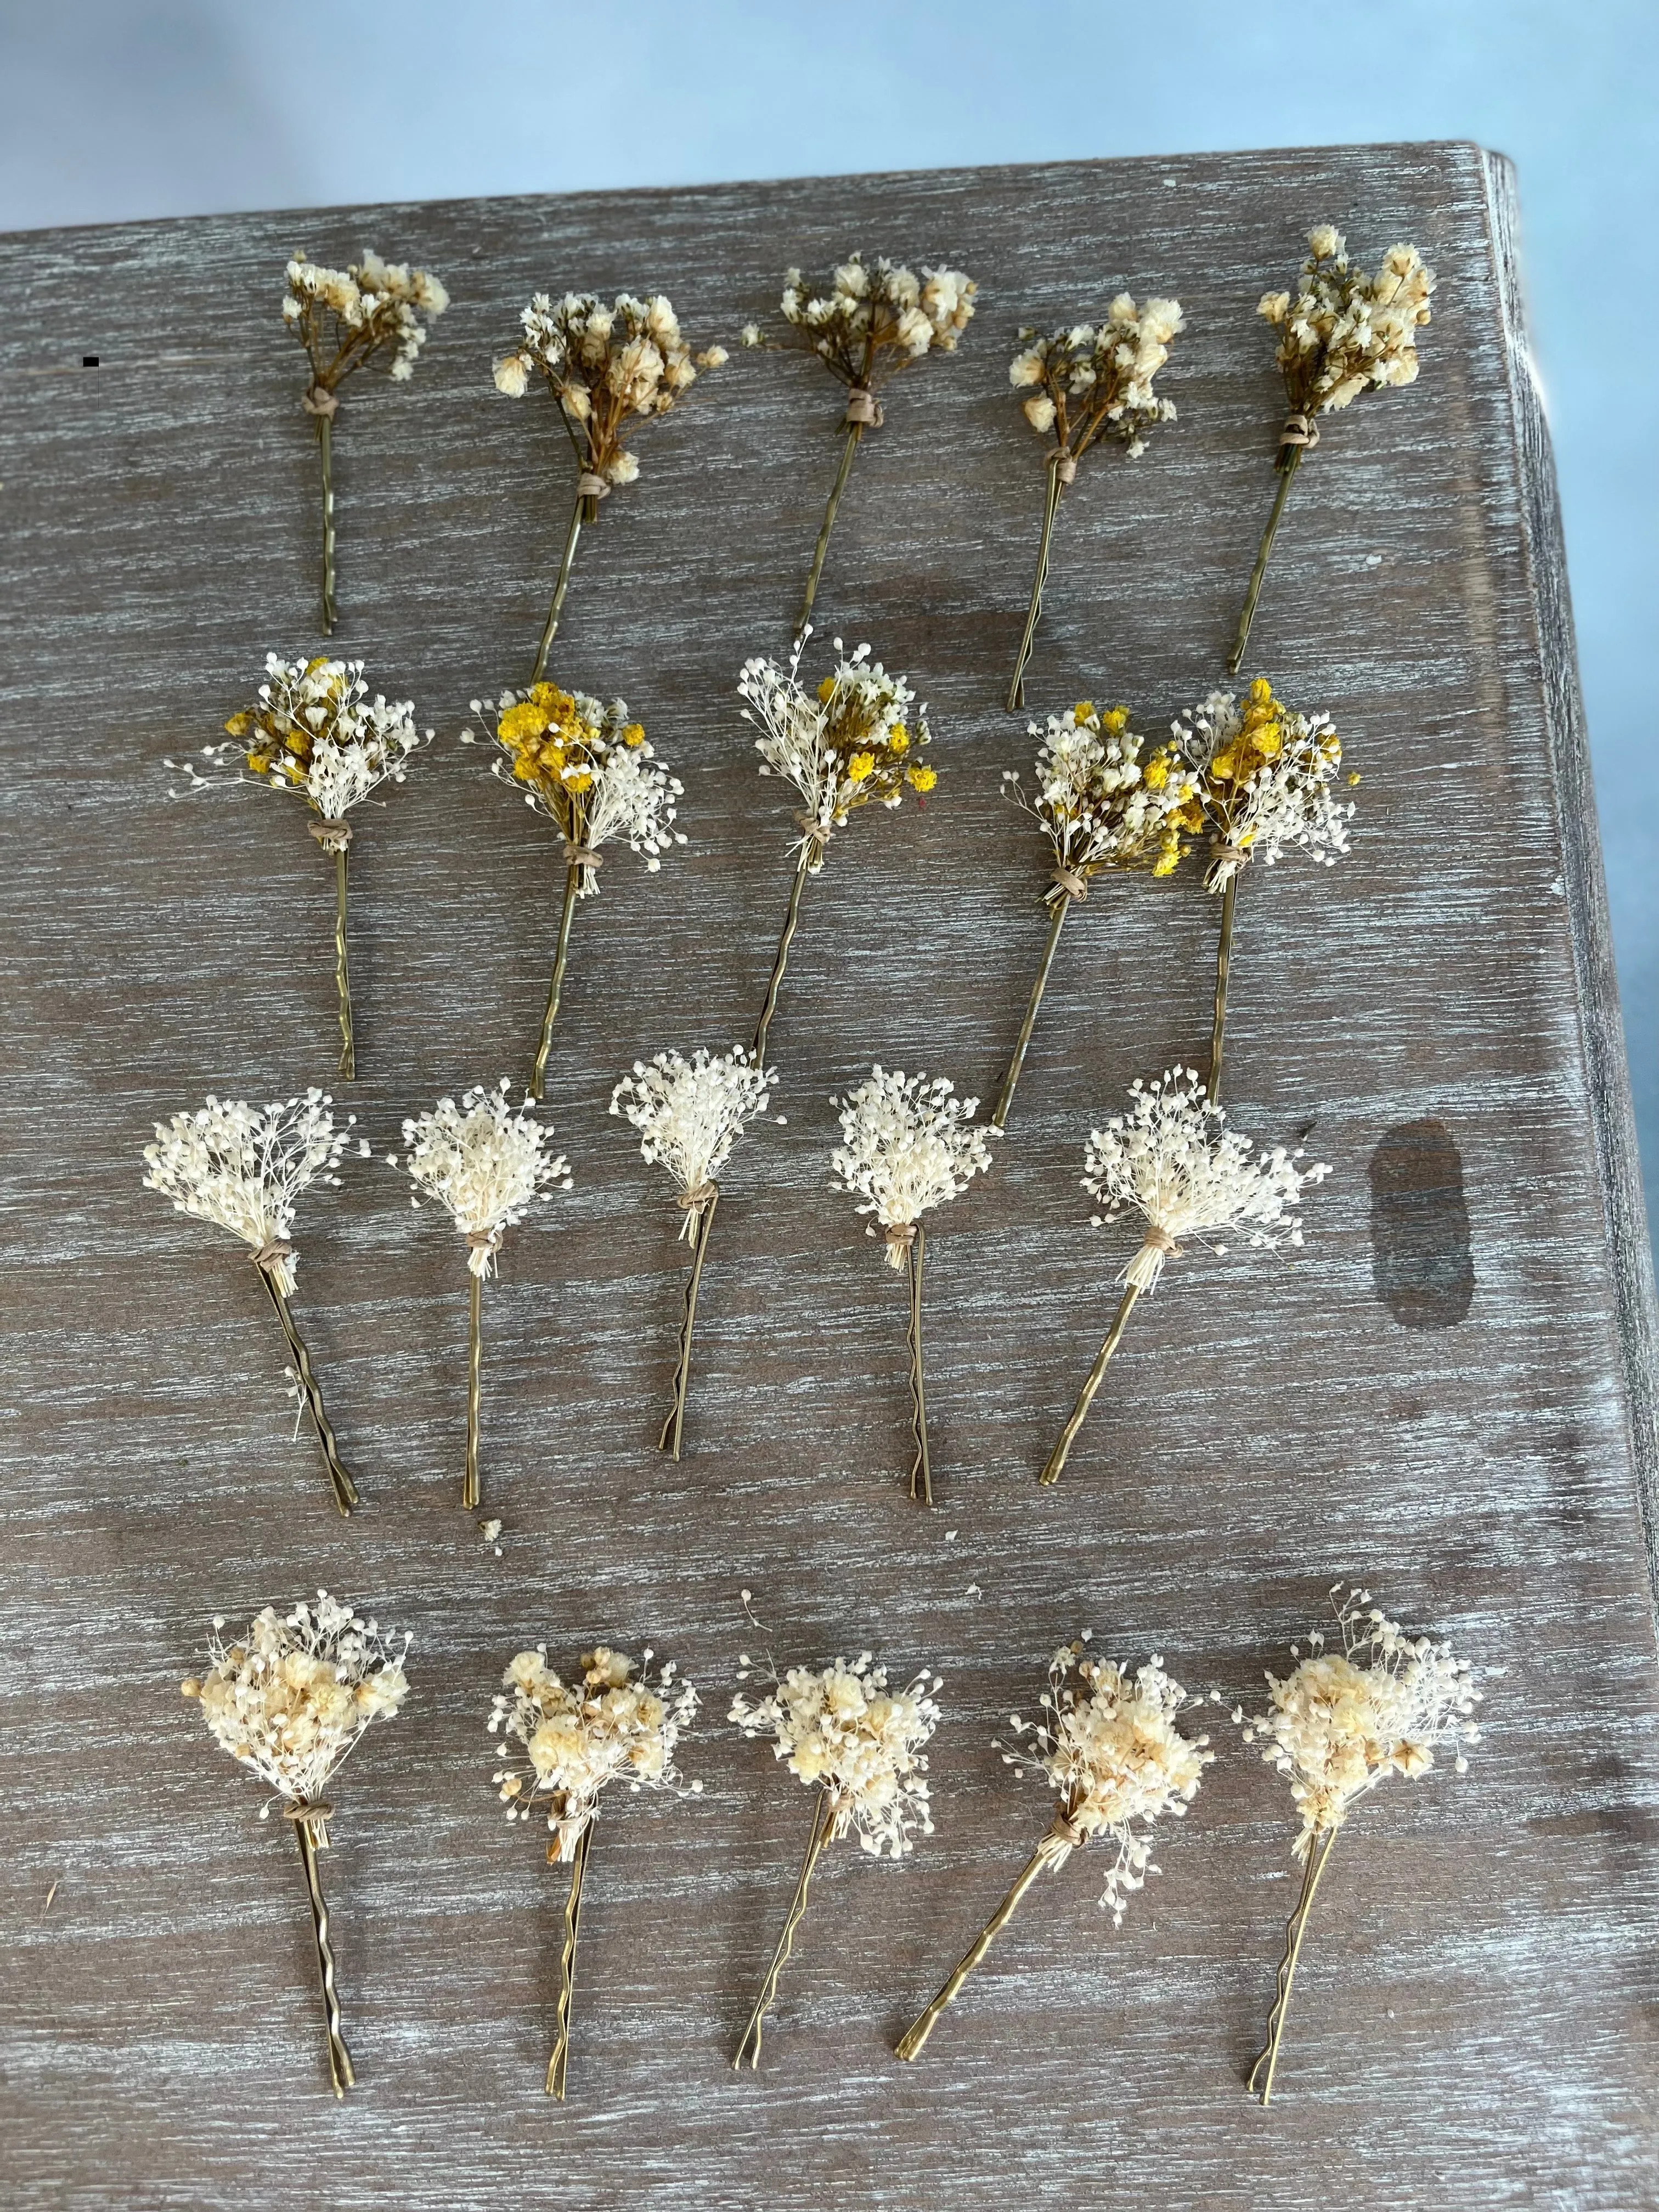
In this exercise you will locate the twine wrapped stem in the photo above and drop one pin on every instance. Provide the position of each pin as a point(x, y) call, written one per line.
point(813, 841)
point(854, 426)
point(1071, 888)
point(267, 1260)
point(823, 1823)
point(559, 2062)
point(310, 1833)
point(1294, 443)
point(585, 510)
point(700, 1204)
point(1261, 2074)
point(1062, 470)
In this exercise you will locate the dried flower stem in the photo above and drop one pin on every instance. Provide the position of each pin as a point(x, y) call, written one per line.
point(1223, 962)
point(474, 1394)
point(310, 1833)
point(348, 1062)
point(782, 960)
point(325, 449)
point(669, 1441)
point(854, 432)
point(1021, 1044)
point(1290, 459)
point(909, 2044)
point(1034, 615)
point(1319, 1850)
point(555, 989)
point(822, 1825)
point(584, 510)
point(556, 2065)
point(345, 1489)
point(1051, 1473)
point(922, 1475)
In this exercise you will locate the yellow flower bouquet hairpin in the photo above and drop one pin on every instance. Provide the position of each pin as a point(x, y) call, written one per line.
point(588, 770)
point(245, 1168)
point(290, 1700)
point(1337, 1724)
point(1108, 1745)
point(347, 319)
point(844, 1734)
point(1266, 775)
point(1341, 333)
point(1104, 804)
point(486, 1166)
point(874, 319)
point(563, 1744)
point(314, 731)
point(855, 739)
point(689, 1114)
point(609, 369)
point(1173, 1160)
point(907, 1145)
point(1085, 384)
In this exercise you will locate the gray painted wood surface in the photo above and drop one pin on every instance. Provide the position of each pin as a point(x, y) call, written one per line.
point(1478, 2008)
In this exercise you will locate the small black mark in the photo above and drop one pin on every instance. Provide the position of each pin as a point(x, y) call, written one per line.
point(89, 361)
point(1420, 1260)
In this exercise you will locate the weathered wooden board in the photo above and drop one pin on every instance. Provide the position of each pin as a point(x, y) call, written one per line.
point(1467, 1424)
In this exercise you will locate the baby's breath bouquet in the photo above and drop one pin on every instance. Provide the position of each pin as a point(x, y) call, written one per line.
point(1172, 1159)
point(609, 369)
point(1103, 803)
point(844, 1732)
point(855, 739)
point(873, 319)
point(1083, 384)
point(590, 772)
point(313, 730)
point(1337, 1724)
point(907, 1145)
point(690, 1113)
point(243, 1167)
point(1341, 333)
point(486, 1166)
point(1264, 775)
point(346, 319)
point(1108, 1745)
point(290, 1700)
point(561, 1744)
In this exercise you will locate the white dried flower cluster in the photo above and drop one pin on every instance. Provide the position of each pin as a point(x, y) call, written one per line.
point(1095, 381)
point(244, 1167)
point(344, 317)
point(1172, 1159)
point(485, 1164)
point(844, 1732)
point(608, 367)
point(690, 1113)
point(312, 729)
point(1108, 1741)
point(1102, 804)
point(291, 1698)
point(876, 318)
point(907, 1143)
point(1340, 1722)
point(853, 740)
point(576, 1737)
point(1267, 775)
point(1341, 332)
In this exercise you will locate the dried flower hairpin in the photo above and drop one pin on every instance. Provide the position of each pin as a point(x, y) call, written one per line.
point(486, 1166)
point(853, 741)
point(1109, 1744)
point(290, 1700)
point(243, 1167)
point(1172, 1159)
point(313, 730)
point(1341, 333)
point(1337, 1724)
point(858, 1744)
point(573, 1739)
point(1266, 775)
point(345, 318)
point(875, 319)
point(907, 1145)
point(1103, 803)
point(1090, 382)
point(609, 369)
point(690, 1113)
point(590, 771)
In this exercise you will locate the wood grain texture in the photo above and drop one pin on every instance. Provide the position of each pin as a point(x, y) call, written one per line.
point(1478, 2008)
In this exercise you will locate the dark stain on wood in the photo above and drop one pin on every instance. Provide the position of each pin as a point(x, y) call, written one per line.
point(1421, 1258)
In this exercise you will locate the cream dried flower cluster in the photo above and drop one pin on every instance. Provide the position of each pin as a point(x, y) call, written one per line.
point(615, 1724)
point(244, 1167)
point(608, 367)
point(876, 318)
point(485, 1164)
point(1342, 332)
point(844, 1732)
point(345, 317)
point(853, 741)
point(1172, 1159)
point(291, 1698)
point(1095, 380)
point(312, 729)
point(908, 1143)
point(1267, 775)
point(1109, 1743)
point(690, 1113)
point(1105, 802)
point(1341, 1722)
